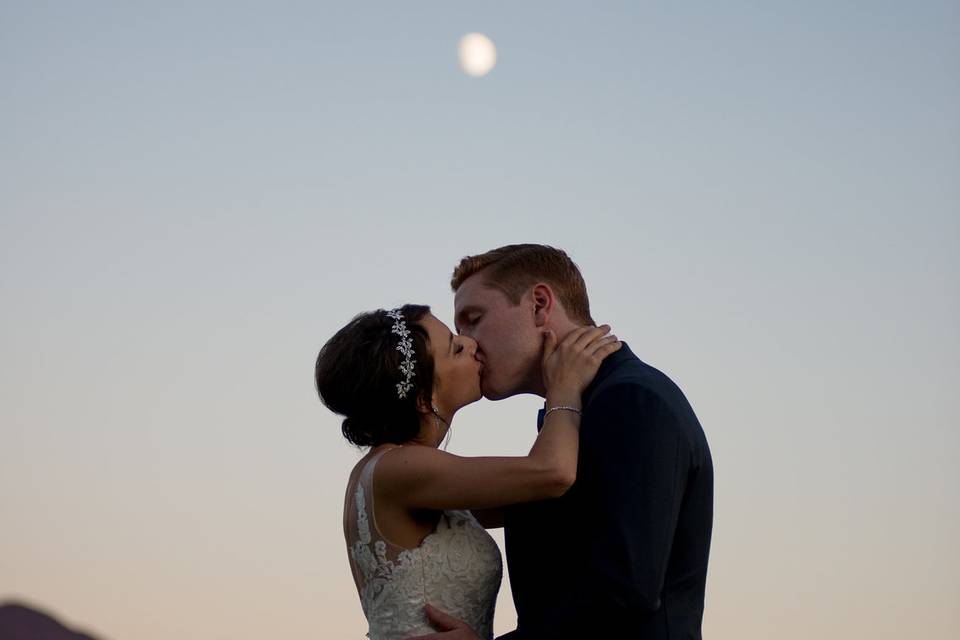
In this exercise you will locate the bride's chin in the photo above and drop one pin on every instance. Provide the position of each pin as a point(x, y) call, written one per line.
point(476, 395)
point(468, 401)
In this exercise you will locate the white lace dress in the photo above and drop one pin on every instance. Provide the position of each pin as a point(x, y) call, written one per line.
point(456, 568)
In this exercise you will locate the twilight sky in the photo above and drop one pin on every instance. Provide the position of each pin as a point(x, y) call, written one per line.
point(764, 201)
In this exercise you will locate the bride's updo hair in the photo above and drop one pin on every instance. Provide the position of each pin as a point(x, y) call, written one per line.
point(357, 374)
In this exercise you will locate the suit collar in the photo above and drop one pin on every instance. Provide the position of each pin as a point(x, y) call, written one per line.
point(610, 364)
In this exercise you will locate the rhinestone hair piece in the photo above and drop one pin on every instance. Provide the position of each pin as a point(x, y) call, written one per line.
point(406, 348)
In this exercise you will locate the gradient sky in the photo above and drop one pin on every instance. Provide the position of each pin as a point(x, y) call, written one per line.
point(764, 201)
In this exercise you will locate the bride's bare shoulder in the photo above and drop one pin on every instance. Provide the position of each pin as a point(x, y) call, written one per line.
point(379, 453)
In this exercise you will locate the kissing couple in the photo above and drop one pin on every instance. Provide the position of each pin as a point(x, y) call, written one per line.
point(608, 518)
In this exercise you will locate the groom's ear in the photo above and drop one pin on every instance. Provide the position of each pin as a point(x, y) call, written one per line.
point(544, 303)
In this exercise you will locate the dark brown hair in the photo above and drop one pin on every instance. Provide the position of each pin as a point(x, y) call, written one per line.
point(516, 267)
point(357, 372)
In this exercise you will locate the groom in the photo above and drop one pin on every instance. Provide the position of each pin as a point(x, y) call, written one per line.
point(624, 553)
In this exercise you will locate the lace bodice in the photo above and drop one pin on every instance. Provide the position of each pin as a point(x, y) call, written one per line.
point(456, 568)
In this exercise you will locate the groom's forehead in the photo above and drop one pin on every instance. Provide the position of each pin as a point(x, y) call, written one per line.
point(470, 298)
point(474, 293)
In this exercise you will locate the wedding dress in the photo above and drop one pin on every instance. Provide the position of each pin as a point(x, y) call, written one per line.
point(456, 568)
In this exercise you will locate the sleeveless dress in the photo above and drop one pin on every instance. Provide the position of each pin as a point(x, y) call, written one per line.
point(456, 568)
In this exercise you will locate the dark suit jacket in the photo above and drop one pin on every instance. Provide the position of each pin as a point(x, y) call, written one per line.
point(624, 553)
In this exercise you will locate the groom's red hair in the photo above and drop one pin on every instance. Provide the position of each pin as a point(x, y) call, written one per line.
point(514, 268)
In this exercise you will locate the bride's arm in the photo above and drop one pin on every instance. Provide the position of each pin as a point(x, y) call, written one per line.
point(427, 478)
point(421, 477)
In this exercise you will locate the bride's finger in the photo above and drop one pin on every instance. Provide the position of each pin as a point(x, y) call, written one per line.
point(591, 334)
point(549, 344)
point(607, 349)
point(571, 339)
point(599, 343)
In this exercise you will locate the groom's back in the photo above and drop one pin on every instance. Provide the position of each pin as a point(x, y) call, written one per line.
point(624, 552)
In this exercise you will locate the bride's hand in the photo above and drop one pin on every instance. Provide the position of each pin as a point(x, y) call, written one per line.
point(570, 366)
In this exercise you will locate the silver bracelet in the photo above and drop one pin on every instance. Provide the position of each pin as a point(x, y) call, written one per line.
point(562, 408)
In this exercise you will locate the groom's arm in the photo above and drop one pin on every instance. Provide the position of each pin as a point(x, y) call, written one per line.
point(634, 461)
point(637, 462)
point(492, 518)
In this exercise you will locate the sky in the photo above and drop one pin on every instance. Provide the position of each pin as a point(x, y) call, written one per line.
point(764, 202)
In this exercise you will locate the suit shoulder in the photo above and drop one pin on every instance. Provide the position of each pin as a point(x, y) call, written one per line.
point(634, 381)
point(642, 378)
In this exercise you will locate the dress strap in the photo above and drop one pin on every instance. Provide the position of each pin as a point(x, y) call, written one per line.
point(366, 476)
point(363, 497)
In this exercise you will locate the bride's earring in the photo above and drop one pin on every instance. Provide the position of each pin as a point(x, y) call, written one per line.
point(437, 418)
point(436, 415)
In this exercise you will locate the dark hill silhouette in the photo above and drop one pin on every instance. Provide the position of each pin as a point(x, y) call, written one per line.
point(21, 622)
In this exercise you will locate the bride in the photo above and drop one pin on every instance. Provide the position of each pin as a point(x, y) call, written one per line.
point(412, 514)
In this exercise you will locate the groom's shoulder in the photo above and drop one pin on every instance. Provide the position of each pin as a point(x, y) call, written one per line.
point(626, 369)
point(629, 377)
point(639, 398)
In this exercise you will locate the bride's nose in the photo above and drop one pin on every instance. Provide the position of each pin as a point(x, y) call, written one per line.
point(470, 345)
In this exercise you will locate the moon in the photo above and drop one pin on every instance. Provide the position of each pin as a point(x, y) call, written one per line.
point(478, 55)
